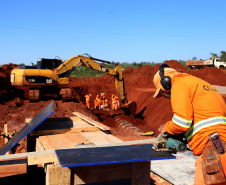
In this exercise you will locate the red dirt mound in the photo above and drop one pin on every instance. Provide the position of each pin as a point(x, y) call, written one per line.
point(212, 75)
point(175, 65)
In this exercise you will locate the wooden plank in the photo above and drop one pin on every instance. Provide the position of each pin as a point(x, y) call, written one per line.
point(13, 167)
point(91, 121)
point(41, 159)
point(45, 152)
point(100, 137)
point(6, 134)
point(51, 157)
point(100, 173)
point(59, 141)
point(73, 118)
point(78, 122)
point(58, 175)
point(64, 131)
point(39, 146)
point(141, 173)
point(6, 171)
point(11, 162)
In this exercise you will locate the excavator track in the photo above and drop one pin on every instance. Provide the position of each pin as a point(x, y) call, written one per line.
point(66, 94)
point(34, 95)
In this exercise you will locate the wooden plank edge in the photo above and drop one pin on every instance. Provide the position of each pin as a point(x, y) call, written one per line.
point(92, 122)
point(15, 161)
point(47, 152)
point(40, 159)
point(64, 131)
point(72, 118)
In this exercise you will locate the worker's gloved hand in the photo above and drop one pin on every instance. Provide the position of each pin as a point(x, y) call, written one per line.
point(162, 130)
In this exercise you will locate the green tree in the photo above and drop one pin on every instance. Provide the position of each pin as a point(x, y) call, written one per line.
point(214, 55)
point(223, 56)
point(134, 64)
point(139, 64)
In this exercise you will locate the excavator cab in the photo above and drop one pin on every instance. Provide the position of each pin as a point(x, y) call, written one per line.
point(44, 63)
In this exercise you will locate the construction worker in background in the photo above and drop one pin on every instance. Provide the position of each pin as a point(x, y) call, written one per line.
point(97, 102)
point(102, 97)
point(115, 102)
point(106, 102)
point(200, 113)
point(112, 101)
point(88, 96)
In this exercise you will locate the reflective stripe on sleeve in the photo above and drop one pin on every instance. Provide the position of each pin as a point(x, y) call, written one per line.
point(203, 124)
point(182, 122)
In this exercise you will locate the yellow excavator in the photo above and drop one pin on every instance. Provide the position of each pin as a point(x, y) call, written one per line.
point(52, 75)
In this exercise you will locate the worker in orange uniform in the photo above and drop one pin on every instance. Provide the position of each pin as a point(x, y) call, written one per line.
point(106, 102)
point(97, 102)
point(200, 113)
point(114, 102)
point(102, 97)
point(88, 96)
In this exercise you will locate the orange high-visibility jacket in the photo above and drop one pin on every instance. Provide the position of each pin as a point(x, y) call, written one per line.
point(199, 110)
point(87, 97)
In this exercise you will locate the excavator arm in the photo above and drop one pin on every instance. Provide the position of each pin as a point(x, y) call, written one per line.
point(68, 66)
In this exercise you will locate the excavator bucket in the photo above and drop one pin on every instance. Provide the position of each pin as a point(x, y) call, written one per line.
point(130, 108)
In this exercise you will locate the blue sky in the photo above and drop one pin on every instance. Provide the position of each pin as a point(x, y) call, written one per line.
point(116, 30)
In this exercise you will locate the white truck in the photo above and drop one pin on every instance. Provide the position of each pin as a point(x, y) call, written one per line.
point(211, 62)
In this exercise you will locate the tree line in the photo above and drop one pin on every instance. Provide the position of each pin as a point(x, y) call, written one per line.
point(221, 55)
point(87, 72)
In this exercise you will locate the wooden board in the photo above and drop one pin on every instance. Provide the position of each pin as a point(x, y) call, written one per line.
point(109, 155)
point(99, 137)
point(58, 141)
point(6, 171)
point(49, 156)
point(46, 152)
point(13, 162)
point(73, 118)
point(93, 122)
point(64, 131)
point(41, 159)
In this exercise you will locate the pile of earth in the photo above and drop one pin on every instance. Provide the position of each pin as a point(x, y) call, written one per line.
point(150, 114)
point(5, 87)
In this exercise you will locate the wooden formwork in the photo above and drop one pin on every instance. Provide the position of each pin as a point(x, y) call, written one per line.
point(76, 132)
point(81, 131)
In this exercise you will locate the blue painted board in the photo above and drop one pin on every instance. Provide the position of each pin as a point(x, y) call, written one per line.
point(109, 155)
point(37, 120)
